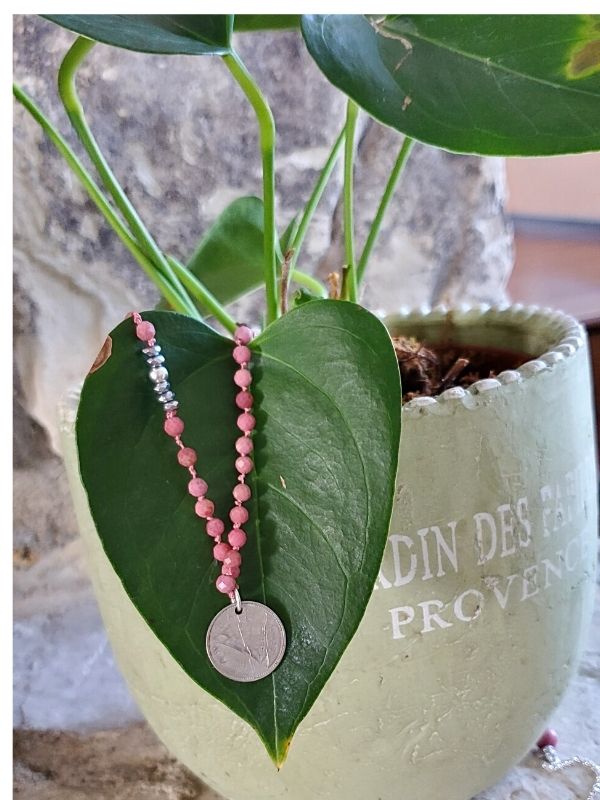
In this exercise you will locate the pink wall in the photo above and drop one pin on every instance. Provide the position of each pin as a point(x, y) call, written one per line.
point(563, 186)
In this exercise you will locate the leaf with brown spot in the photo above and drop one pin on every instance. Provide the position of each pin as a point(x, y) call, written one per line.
point(102, 356)
point(585, 58)
point(493, 84)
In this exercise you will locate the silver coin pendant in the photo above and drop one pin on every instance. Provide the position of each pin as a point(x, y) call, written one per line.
point(247, 645)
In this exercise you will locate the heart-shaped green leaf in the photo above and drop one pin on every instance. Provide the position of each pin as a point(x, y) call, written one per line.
point(170, 34)
point(327, 396)
point(230, 257)
point(494, 84)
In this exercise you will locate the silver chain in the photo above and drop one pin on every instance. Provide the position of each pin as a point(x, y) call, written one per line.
point(552, 763)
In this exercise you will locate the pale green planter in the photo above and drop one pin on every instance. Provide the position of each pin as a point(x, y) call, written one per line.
point(457, 664)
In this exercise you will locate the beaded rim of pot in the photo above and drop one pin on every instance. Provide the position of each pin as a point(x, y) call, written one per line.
point(565, 335)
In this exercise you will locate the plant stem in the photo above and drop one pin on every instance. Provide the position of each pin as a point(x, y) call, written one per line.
point(266, 127)
point(349, 285)
point(284, 283)
point(203, 295)
point(302, 279)
point(385, 201)
point(315, 197)
point(70, 99)
point(102, 204)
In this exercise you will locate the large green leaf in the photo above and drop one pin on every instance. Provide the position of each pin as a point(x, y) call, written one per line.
point(187, 34)
point(230, 257)
point(328, 423)
point(500, 84)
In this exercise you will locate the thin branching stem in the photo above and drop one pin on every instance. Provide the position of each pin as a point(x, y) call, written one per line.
point(350, 290)
point(284, 282)
point(206, 298)
point(312, 284)
point(315, 197)
point(383, 204)
point(266, 129)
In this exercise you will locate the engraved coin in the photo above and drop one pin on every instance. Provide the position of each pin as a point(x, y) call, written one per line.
point(247, 646)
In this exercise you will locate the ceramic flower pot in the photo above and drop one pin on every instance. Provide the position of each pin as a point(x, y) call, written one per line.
point(476, 622)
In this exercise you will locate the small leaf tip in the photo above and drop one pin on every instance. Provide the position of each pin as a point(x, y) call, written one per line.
point(282, 753)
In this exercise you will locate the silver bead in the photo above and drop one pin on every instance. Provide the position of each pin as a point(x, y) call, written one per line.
point(155, 361)
point(166, 397)
point(162, 387)
point(154, 350)
point(171, 405)
point(158, 374)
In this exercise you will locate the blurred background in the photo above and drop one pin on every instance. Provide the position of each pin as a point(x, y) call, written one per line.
point(460, 229)
point(554, 206)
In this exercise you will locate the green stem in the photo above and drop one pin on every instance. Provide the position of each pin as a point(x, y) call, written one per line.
point(315, 197)
point(70, 99)
point(384, 203)
point(102, 204)
point(203, 295)
point(266, 128)
point(350, 285)
point(302, 279)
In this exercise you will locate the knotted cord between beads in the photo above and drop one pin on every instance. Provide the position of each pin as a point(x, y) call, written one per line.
point(228, 553)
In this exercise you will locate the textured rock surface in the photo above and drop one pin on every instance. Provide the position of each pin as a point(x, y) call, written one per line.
point(125, 764)
point(64, 674)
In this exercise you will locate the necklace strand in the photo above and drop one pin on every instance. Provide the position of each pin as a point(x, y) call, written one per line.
point(226, 552)
point(547, 744)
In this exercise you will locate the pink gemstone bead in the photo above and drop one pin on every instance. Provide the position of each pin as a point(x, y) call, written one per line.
point(243, 334)
point(233, 559)
point(242, 378)
point(174, 426)
point(187, 457)
point(197, 487)
point(226, 584)
point(204, 508)
point(242, 354)
point(145, 331)
point(244, 465)
point(237, 538)
point(244, 445)
point(221, 550)
point(227, 569)
point(244, 400)
point(246, 422)
point(241, 492)
point(215, 527)
point(549, 738)
point(238, 515)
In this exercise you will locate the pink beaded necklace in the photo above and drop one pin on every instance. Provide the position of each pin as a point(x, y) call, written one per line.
point(245, 641)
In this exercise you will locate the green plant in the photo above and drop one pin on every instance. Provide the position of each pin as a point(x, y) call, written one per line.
point(326, 372)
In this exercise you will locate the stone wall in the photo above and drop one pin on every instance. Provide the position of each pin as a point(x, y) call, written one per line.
point(183, 141)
